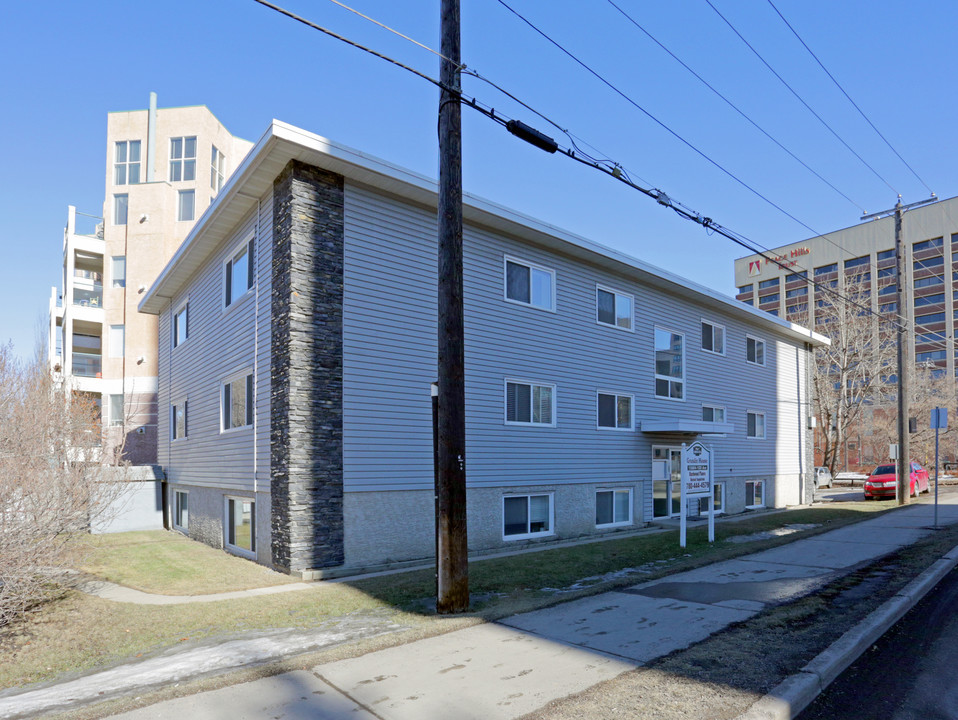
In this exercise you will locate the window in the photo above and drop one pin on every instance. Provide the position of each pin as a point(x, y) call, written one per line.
point(178, 426)
point(888, 307)
point(117, 340)
point(526, 516)
point(126, 162)
point(886, 254)
point(928, 319)
point(930, 337)
point(530, 404)
point(121, 205)
point(756, 426)
point(530, 285)
point(241, 524)
point(745, 289)
point(713, 337)
point(181, 510)
point(118, 270)
point(613, 507)
point(927, 245)
point(928, 263)
point(892, 289)
point(796, 276)
point(755, 493)
point(713, 414)
point(182, 158)
point(930, 300)
point(116, 410)
point(614, 411)
point(857, 262)
point(888, 272)
point(239, 272)
point(186, 205)
point(797, 292)
point(754, 350)
point(217, 169)
point(765, 284)
point(930, 356)
point(763, 299)
point(825, 269)
point(613, 308)
point(669, 364)
point(181, 325)
point(237, 410)
point(718, 500)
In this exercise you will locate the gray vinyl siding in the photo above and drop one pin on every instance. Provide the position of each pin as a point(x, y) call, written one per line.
point(221, 342)
point(390, 360)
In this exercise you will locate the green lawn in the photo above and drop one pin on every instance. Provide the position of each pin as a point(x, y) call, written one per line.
point(79, 632)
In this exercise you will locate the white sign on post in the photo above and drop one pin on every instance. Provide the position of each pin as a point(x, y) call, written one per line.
point(696, 483)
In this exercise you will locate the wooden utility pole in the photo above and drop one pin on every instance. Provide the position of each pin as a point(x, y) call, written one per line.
point(452, 569)
point(903, 371)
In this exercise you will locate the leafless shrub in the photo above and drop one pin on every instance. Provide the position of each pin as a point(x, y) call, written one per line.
point(52, 483)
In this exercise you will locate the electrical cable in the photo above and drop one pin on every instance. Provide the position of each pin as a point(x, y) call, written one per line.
point(799, 97)
point(848, 97)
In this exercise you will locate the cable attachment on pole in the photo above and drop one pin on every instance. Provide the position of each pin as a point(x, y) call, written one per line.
point(661, 198)
point(532, 136)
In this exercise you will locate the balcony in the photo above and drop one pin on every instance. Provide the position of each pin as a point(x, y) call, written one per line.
point(87, 365)
point(88, 298)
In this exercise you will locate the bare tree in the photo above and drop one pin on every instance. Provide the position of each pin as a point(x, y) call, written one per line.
point(52, 482)
point(850, 376)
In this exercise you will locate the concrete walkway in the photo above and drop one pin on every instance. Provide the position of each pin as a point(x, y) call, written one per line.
point(506, 669)
point(120, 593)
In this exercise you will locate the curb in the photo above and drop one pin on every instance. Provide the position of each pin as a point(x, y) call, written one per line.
point(787, 699)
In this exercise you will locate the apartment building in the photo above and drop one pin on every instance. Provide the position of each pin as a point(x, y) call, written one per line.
point(164, 166)
point(297, 327)
point(864, 254)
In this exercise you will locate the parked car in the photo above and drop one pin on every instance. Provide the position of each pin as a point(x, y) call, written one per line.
point(823, 477)
point(881, 483)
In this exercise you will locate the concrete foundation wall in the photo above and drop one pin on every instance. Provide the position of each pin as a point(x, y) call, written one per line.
point(138, 507)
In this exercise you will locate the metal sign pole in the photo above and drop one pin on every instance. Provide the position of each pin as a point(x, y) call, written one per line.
point(682, 473)
point(939, 420)
point(712, 495)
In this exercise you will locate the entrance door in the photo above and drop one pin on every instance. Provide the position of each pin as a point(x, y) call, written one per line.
point(666, 479)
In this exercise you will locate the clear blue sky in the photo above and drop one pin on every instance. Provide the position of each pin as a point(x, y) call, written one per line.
point(67, 64)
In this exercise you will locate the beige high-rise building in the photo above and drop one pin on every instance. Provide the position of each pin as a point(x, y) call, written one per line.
point(164, 168)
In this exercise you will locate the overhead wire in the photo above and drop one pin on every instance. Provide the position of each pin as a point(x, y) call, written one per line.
point(848, 97)
point(799, 97)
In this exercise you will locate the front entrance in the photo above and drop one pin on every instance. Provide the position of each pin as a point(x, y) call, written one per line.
point(666, 482)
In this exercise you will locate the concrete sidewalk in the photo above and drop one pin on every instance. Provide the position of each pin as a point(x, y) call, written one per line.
point(506, 669)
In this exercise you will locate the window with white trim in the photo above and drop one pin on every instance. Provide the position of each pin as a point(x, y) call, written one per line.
point(613, 308)
point(238, 272)
point(217, 169)
point(669, 364)
point(121, 207)
point(613, 507)
point(755, 426)
point(181, 324)
point(115, 409)
point(718, 500)
point(186, 205)
point(117, 340)
point(181, 510)
point(182, 158)
point(754, 350)
point(178, 420)
point(525, 516)
point(613, 411)
point(713, 414)
point(126, 162)
point(118, 271)
point(713, 337)
point(529, 284)
point(754, 494)
point(529, 403)
point(241, 525)
point(237, 402)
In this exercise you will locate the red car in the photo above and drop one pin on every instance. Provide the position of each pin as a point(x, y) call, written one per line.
point(881, 483)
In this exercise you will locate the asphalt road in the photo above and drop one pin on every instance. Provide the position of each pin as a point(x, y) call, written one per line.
point(909, 674)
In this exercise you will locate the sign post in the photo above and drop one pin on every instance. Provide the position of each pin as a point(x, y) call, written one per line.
point(939, 421)
point(696, 483)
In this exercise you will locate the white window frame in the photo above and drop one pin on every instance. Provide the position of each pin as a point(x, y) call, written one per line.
point(250, 414)
point(616, 395)
point(182, 161)
point(528, 496)
point(177, 511)
point(713, 408)
point(758, 483)
point(127, 163)
point(117, 280)
point(228, 526)
point(720, 486)
point(116, 419)
point(185, 404)
point(248, 245)
point(180, 194)
point(616, 294)
point(217, 169)
point(757, 341)
point(182, 309)
point(116, 209)
point(614, 490)
point(116, 333)
point(671, 379)
point(532, 385)
point(764, 417)
point(715, 326)
point(506, 259)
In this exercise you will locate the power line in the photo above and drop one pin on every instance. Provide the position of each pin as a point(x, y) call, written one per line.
point(848, 97)
point(799, 97)
point(732, 105)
